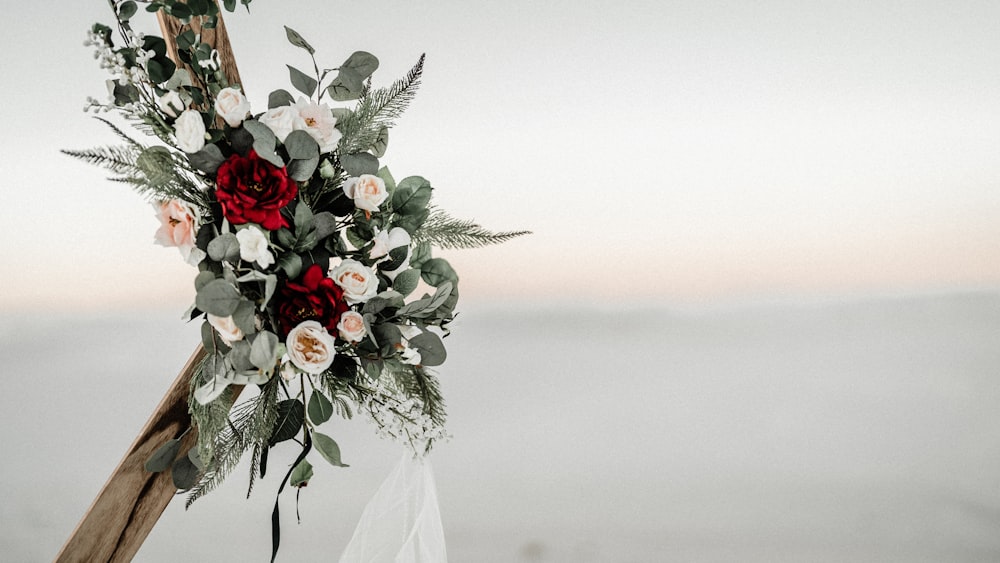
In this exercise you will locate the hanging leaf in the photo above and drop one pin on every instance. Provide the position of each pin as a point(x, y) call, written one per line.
point(301, 475)
point(328, 448)
point(163, 456)
point(184, 473)
point(320, 408)
point(219, 298)
point(291, 413)
point(432, 352)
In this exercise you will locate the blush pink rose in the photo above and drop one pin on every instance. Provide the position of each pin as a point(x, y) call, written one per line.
point(178, 227)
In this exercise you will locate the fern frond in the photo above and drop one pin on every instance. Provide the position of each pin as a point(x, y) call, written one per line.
point(444, 231)
point(419, 382)
point(119, 159)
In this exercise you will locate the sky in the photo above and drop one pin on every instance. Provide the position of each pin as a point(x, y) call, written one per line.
point(667, 151)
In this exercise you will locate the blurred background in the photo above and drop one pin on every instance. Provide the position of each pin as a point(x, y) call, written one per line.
point(758, 318)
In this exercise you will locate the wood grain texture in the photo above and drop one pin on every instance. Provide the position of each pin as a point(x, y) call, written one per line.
point(128, 506)
point(131, 501)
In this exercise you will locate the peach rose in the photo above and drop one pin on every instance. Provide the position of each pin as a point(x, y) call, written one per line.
point(179, 227)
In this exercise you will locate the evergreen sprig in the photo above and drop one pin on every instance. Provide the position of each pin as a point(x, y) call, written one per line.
point(445, 231)
point(379, 108)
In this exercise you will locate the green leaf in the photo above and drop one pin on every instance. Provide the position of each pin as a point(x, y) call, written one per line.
point(270, 283)
point(207, 159)
point(230, 5)
point(264, 351)
point(291, 263)
point(156, 165)
point(381, 142)
point(295, 39)
point(325, 224)
point(239, 356)
point(163, 456)
point(320, 408)
point(390, 182)
point(328, 448)
point(303, 219)
point(301, 146)
point(219, 298)
point(180, 11)
point(411, 196)
point(432, 352)
point(196, 458)
point(264, 141)
point(203, 278)
point(279, 98)
point(291, 413)
point(302, 81)
point(362, 63)
point(347, 86)
point(184, 473)
point(421, 254)
point(302, 170)
point(198, 7)
point(301, 475)
point(245, 317)
point(388, 337)
point(437, 271)
point(406, 281)
point(224, 247)
point(126, 11)
point(358, 164)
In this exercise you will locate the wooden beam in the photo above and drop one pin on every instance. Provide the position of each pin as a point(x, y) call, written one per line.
point(131, 502)
point(128, 506)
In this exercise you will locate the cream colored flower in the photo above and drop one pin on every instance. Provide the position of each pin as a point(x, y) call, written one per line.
point(352, 326)
point(232, 106)
point(319, 122)
point(367, 191)
point(254, 246)
point(171, 104)
point(357, 280)
point(387, 241)
point(310, 347)
point(282, 120)
point(190, 131)
point(226, 328)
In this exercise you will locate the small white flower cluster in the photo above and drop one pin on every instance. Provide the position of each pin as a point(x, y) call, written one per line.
point(402, 418)
point(114, 63)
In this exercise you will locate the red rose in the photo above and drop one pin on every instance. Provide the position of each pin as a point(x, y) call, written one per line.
point(314, 298)
point(252, 190)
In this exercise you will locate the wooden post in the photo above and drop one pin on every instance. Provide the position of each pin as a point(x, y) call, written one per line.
point(128, 506)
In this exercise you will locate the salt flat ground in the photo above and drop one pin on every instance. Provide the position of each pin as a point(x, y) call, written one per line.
point(861, 430)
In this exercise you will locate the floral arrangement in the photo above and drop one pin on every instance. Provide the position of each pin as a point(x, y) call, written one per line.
point(309, 252)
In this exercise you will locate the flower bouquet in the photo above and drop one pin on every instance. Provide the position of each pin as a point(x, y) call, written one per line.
point(310, 254)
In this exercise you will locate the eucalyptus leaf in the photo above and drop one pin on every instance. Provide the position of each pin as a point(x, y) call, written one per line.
point(239, 357)
point(347, 85)
point(432, 352)
point(362, 63)
point(207, 159)
point(291, 413)
point(411, 196)
point(301, 81)
point(301, 475)
point(421, 254)
point(195, 458)
point(437, 271)
point(328, 448)
point(184, 473)
point(210, 391)
point(264, 141)
point(295, 39)
point(270, 283)
point(406, 281)
point(224, 247)
point(303, 218)
point(358, 164)
point(126, 11)
point(203, 278)
point(390, 182)
point(381, 142)
point(218, 297)
point(163, 457)
point(320, 408)
point(291, 263)
point(301, 146)
point(325, 224)
point(264, 351)
point(245, 317)
point(302, 170)
point(280, 98)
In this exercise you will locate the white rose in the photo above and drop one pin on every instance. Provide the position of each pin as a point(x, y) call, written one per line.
point(310, 347)
point(226, 328)
point(232, 106)
point(357, 280)
point(410, 356)
point(170, 104)
point(190, 131)
point(282, 120)
point(352, 326)
point(319, 122)
point(367, 191)
point(387, 241)
point(254, 246)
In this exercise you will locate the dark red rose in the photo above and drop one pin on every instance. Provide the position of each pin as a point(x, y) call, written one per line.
point(313, 298)
point(252, 190)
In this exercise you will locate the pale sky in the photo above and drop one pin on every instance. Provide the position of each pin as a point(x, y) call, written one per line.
point(668, 150)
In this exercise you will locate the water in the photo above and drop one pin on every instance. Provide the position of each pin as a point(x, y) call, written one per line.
point(848, 431)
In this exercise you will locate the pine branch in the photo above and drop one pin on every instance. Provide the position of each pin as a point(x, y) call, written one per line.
point(119, 159)
point(379, 108)
point(444, 231)
point(121, 134)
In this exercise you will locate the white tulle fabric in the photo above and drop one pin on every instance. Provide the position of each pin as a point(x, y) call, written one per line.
point(402, 522)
